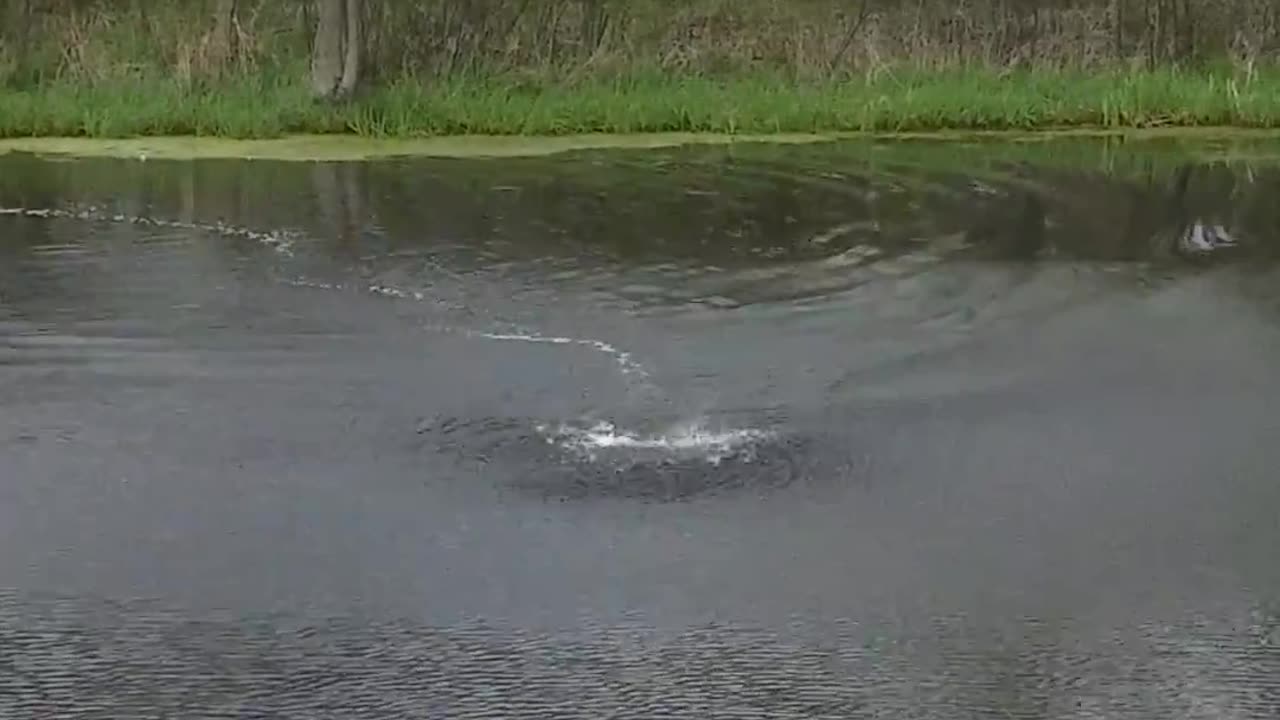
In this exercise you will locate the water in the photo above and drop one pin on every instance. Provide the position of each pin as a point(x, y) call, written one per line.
point(898, 429)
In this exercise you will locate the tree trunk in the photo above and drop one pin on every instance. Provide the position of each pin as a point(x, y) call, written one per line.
point(225, 36)
point(354, 49)
point(335, 55)
point(14, 28)
point(1117, 28)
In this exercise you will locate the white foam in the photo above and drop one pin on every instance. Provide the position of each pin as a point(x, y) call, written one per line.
point(692, 438)
point(313, 284)
point(1201, 238)
point(280, 241)
point(625, 362)
point(395, 292)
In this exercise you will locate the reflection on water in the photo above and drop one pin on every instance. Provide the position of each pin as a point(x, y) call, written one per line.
point(890, 429)
point(721, 227)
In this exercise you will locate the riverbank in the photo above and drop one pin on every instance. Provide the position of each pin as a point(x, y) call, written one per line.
point(906, 101)
point(1090, 146)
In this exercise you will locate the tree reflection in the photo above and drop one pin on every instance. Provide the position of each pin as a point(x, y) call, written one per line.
point(701, 207)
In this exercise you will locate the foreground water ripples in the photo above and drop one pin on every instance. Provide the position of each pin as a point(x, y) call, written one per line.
point(109, 660)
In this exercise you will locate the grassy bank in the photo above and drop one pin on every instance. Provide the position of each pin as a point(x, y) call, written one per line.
point(259, 106)
point(238, 68)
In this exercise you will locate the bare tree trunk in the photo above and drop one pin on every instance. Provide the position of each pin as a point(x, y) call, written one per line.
point(14, 28)
point(354, 41)
point(326, 51)
point(1117, 27)
point(336, 53)
point(8, 17)
point(225, 36)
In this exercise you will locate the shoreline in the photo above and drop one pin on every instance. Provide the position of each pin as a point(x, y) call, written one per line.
point(350, 146)
point(506, 111)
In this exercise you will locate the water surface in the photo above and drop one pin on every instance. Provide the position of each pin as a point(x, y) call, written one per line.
point(857, 429)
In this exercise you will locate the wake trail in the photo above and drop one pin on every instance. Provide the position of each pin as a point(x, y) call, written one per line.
point(692, 437)
point(625, 361)
point(280, 241)
point(283, 241)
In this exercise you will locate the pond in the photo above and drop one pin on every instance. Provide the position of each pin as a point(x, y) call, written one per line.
point(863, 428)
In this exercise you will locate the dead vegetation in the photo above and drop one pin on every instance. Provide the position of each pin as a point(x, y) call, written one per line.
point(202, 40)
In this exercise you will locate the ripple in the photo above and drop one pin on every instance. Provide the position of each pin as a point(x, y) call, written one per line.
point(768, 467)
point(278, 240)
point(83, 658)
point(597, 460)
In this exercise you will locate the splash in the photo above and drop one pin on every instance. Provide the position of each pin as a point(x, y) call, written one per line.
point(280, 241)
point(1201, 238)
point(692, 439)
point(312, 284)
point(395, 292)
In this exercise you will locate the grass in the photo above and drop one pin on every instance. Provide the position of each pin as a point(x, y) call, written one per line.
point(904, 101)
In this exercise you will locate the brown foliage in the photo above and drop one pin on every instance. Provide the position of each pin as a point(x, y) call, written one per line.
point(199, 38)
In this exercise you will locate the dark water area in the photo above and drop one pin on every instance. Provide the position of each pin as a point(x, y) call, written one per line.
point(858, 430)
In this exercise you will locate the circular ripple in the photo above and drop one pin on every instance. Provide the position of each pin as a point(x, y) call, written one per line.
point(590, 462)
point(768, 465)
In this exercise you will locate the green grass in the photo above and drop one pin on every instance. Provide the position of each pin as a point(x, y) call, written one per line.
point(258, 107)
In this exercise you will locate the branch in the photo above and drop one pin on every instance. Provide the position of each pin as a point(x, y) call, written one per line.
point(863, 13)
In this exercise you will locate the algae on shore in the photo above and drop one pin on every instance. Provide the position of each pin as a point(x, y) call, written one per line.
point(352, 147)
